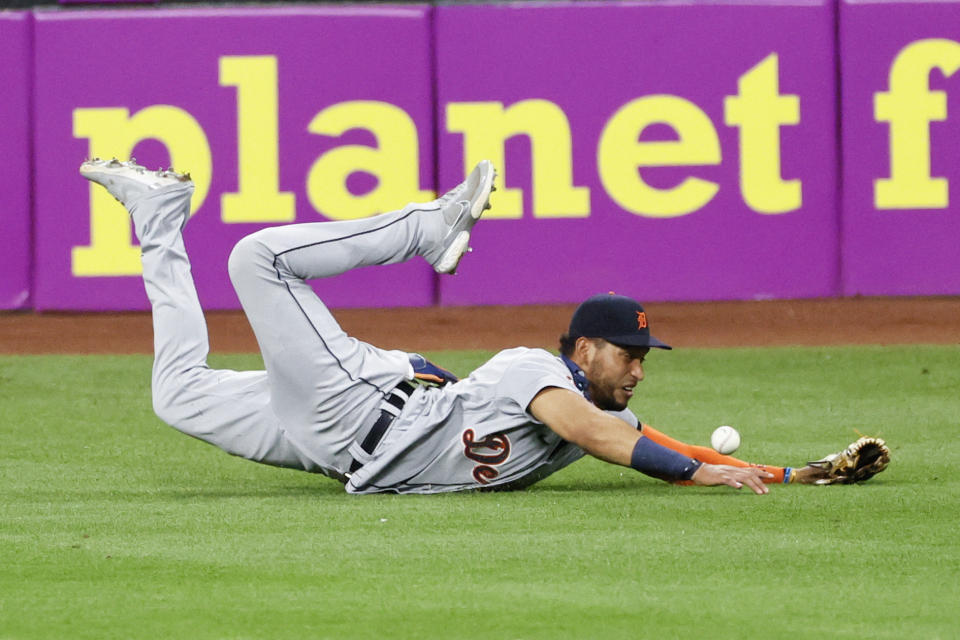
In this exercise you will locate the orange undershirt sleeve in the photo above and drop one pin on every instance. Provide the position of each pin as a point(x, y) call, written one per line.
point(708, 455)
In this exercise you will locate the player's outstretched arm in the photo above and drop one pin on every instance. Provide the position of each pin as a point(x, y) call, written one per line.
point(612, 440)
point(577, 421)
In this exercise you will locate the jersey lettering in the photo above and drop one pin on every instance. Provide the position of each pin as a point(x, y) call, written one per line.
point(490, 451)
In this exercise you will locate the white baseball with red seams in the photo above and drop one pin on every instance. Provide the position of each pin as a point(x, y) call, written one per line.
point(725, 440)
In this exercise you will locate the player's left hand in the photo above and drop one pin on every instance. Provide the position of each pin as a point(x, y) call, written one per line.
point(736, 477)
point(859, 462)
point(426, 371)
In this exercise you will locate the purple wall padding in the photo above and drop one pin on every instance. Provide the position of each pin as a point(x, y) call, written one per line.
point(15, 159)
point(901, 235)
point(680, 60)
point(166, 64)
point(670, 150)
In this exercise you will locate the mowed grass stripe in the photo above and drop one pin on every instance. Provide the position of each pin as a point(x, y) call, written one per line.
point(113, 525)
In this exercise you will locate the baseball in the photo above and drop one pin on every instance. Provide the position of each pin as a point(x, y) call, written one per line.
point(725, 439)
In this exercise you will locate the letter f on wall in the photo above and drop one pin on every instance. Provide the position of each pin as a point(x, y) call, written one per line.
point(910, 106)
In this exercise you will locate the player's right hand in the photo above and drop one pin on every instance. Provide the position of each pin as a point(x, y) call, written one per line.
point(736, 477)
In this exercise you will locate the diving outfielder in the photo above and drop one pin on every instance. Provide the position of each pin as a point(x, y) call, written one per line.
point(381, 420)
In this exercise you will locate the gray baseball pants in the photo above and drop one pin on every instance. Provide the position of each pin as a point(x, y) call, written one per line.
point(321, 388)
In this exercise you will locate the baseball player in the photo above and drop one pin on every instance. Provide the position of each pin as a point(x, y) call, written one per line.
point(380, 420)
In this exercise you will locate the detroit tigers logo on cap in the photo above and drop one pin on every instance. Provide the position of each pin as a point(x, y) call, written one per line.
point(617, 319)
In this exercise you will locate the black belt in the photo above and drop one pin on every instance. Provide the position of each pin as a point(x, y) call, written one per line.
point(379, 428)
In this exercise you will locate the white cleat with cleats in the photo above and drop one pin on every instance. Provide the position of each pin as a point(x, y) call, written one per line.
point(128, 181)
point(461, 207)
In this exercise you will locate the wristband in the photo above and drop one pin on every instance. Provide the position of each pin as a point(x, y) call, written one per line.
point(660, 462)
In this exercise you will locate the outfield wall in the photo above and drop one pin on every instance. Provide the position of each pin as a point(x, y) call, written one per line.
point(661, 134)
point(667, 150)
point(15, 119)
point(253, 103)
point(900, 113)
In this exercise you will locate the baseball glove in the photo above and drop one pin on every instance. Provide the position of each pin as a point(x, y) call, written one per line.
point(860, 461)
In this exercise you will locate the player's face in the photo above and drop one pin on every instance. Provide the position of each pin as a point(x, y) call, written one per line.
point(613, 372)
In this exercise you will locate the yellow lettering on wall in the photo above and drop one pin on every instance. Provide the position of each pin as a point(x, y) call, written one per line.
point(259, 198)
point(759, 110)
point(395, 162)
point(909, 106)
point(112, 132)
point(619, 154)
point(487, 125)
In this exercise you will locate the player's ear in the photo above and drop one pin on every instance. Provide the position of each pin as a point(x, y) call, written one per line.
point(584, 350)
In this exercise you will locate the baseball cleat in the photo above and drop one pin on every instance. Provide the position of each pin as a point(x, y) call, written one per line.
point(461, 207)
point(128, 181)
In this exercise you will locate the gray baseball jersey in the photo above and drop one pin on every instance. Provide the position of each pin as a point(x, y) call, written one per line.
point(475, 433)
point(322, 389)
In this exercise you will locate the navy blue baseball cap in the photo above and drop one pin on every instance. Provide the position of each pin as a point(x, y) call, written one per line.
point(617, 319)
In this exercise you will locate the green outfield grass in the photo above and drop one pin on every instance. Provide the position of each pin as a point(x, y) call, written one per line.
point(113, 525)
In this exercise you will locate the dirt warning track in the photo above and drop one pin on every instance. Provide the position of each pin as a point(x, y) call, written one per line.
point(687, 324)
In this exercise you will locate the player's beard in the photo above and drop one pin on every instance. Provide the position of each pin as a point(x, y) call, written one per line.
point(605, 400)
point(604, 394)
point(610, 378)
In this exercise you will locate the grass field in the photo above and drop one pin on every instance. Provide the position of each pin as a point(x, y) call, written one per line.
point(113, 525)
